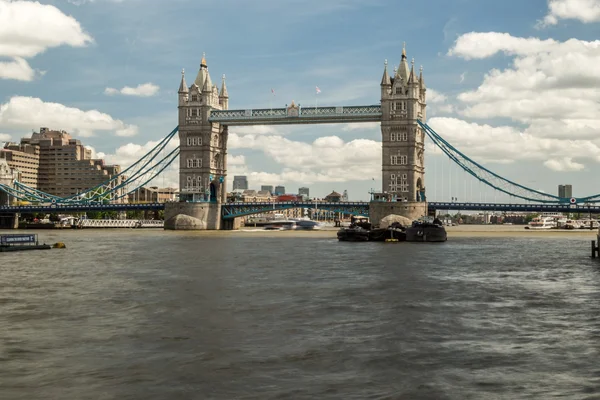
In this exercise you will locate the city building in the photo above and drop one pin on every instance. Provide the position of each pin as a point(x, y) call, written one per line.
point(152, 194)
point(333, 197)
point(269, 188)
point(240, 182)
point(565, 191)
point(304, 191)
point(55, 163)
point(279, 190)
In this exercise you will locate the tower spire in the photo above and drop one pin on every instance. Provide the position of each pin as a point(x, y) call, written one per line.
point(411, 78)
point(421, 81)
point(385, 80)
point(183, 86)
point(203, 61)
point(223, 88)
point(403, 70)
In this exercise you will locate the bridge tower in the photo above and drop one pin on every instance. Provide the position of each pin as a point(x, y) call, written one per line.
point(203, 154)
point(403, 101)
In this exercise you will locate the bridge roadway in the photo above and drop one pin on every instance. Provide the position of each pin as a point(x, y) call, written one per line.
point(233, 210)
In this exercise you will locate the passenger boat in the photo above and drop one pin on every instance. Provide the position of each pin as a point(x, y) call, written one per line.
point(20, 242)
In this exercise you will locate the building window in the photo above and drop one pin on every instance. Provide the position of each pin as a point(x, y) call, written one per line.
point(393, 183)
point(404, 183)
point(403, 136)
point(194, 112)
point(198, 163)
point(194, 97)
point(394, 160)
point(189, 141)
point(403, 160)
point(393, 137)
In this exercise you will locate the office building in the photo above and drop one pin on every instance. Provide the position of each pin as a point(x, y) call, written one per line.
point(152, 194)
point(565, 191)
point(304, 191)
point(268, 188)
point(240, 183)
point(279, 190)
point(55, 163)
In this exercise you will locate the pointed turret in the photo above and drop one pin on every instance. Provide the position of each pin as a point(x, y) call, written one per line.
point(403, 69)
point(224, 93)
point(385, 80)
point(203, 74)
point(412, 77)
point(421, 81)
point(183, 86)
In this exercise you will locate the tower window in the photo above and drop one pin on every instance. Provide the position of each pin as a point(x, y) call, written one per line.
point(393, 137)
point(403, 136)
point(403, 160)
point(194, 112)
point(394, 160)
point(194, 97)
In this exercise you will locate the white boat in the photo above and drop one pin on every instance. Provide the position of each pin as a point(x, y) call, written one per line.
point(547, 221)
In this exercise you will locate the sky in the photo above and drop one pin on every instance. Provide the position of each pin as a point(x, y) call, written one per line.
point(511, 84)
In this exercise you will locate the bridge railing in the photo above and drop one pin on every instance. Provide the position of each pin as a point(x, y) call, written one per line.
point(302, 112)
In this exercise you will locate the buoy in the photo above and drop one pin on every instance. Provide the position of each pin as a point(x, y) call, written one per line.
point(59, 245)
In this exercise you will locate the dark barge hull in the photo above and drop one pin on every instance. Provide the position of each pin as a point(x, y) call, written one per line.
point(426, 233)
point(353, 235)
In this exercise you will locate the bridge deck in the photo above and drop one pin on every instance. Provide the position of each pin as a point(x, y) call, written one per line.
point(300, 115)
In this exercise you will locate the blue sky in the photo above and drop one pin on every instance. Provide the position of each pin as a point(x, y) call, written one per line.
point(293, 46)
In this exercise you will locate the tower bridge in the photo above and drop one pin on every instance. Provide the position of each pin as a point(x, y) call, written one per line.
point(204, 119)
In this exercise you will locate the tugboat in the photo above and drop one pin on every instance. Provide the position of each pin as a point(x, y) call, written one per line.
point(423, 231)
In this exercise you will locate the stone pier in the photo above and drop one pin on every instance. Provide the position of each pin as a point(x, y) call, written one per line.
point(412, 210)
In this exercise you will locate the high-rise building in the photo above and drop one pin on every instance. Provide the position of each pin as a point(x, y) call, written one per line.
point(267, 187)
point(279, 190)
point(55, 163)
point(240, 182)
point(304, 191)
point(565, 191)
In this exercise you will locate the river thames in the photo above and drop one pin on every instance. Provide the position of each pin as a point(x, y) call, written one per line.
point(148, 314)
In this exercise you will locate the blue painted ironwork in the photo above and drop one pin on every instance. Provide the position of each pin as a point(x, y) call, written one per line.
point(61, 207)
point(234, 210)
point(305, 115)
point(541, 207)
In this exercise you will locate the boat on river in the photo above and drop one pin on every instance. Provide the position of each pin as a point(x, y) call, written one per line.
point(20, 242)
point(422, 231)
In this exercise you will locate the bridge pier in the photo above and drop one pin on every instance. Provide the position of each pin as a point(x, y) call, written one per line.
point(9, 221)
point(193, 216)
point(412, 210)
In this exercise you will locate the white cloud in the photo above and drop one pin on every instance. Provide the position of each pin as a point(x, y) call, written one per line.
point(506, 144)
point(235, 160)
point(586, 11)
point(434, 96)
point(143, 90)
point(17, 69)
point(33, 113)
point(27, 29)
point(5, 137)
point(550, 86)
point(564, 164)
point(327, 159)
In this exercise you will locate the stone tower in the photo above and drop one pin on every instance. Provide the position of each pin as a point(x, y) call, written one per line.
point(203, 144)
point(403, 141)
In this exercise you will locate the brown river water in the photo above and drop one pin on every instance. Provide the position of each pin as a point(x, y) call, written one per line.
point(149, 314)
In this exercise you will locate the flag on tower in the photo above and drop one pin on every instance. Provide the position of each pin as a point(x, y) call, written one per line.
point(318, 90)
point(273, 92)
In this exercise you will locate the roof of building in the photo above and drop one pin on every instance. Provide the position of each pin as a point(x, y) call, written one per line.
point(334, 194)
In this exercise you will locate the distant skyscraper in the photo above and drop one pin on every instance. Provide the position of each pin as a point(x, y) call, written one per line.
point(269, 188)
point(304, 191)
point(240, 182)
point(565, 191)
point(279, 190)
